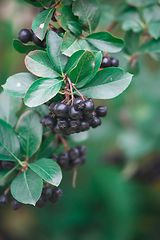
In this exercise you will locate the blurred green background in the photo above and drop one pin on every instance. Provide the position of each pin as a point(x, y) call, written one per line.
point(112, 200)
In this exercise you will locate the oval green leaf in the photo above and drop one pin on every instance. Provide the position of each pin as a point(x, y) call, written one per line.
point(27, 187)
point(73, 60)
point(47, 148)
point(29, 132)
point(48, 170)
point(23, 48)
point(41, 91)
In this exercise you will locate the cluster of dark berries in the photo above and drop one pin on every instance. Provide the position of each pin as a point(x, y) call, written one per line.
point(73, 159)
point(53, 195)
point(109, 62)
point(26, 35)
point(6, 165)
point(78, 117)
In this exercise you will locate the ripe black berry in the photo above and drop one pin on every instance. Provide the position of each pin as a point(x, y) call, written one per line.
point(101, 111)
point(84, 126)
point(76, 163)
point(38, 42)
point(46, 192)
point(78, 103)
point(89, 106)
point(106, 62)
point(82, 150)
point(73, 153)
point(96, 122)
point(56, 194)
point(63, 160)
point(61, 110)
point(83, 159)
point(75, 114)
point(51, 107)
point(60, 30)
point(41, 203)
point(57, 129)
point(114, 62)
point(74, 124)
point(43, 120)
point(15, 204)
point(7, 165)
point(63, 123)
point(50, 122)
point(54, 158)
point(24, 35)
point(3, 200)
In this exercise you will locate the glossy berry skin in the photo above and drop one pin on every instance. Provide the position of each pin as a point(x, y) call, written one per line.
point(96, 122)
point(63, 160)
point(75, 114)
point(43, 120)
point(101, 111)
point(46, 192)
point(83, 159)
point(75, 124)
point(51, 107)
point(56, 194)
point(61, 110)
point(15, 204)
point(89, 107)
point(82, 150)
point(38, 42)
point(73, 153)
point(41, 203)
point(78, 104)
point(84, 126)
point(63, 123)
point(76, 163)
point(7, 165)
point(24, 35)
point(50, 122)
point(114, 62)
point(3, 200)
point(106, 62)
point(57, 129)
point(54, 158)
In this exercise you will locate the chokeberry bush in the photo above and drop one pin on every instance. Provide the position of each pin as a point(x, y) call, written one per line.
point(68, 65)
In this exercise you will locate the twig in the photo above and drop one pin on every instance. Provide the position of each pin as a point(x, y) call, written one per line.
point(63, 141)
point(74, 178)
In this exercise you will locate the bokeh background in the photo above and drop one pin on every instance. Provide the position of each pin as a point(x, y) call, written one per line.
point(117, 194)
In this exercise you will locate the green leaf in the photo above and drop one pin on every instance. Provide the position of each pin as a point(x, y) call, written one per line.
point(54, 51)
point(71, 44)
point(151, 13)
point(9, 144)
point(98, 60)
point(38, 63)
point(41, 22)
point(41, 91)
point(154, 29)
point(131, 46)
point(18, 84)
point(108, 83)
point(140, 3)
point(88, 12)
point(10, 108)
point(84, 67)
point(41, 3)
point(66, 2)
point(104, 41)
point(7, 176)
point(48, 170)
point(73, 60)
point(153, 46)
point(23, 48)
point(27, 187)
point(131, 20)
point(29, 132)
point(65, 16)
point(75, 28)
point(47, 148)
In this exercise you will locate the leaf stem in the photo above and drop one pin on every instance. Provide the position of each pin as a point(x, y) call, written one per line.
point(70, 85)
point(9, 173)
point(7, 190)
point(78, 92)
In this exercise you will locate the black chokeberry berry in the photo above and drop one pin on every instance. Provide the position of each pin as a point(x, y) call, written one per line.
point(84, 126)
point(57, 129)
point(96, 122)
point(89, 106)
point(82, 150)
point(76, 163)
point(75, 114)
point(24, 35)
point(106, 62)
point(114, 62)
point(63, 123)
point(41, 203)
point(56, 194)
point(101, 111)
point(3, 200)
point(63, 160)
point(51, 106)
point(75, 124)
point(7, 165)
point(15, 204)
point(43, 120)
point(46, 192)
point(60, 30)
point(78, 103)
point(38, 42)
point(54, 158)
point(61, 110)
point(73, 153)
point(50, 122)
point(83, 159)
